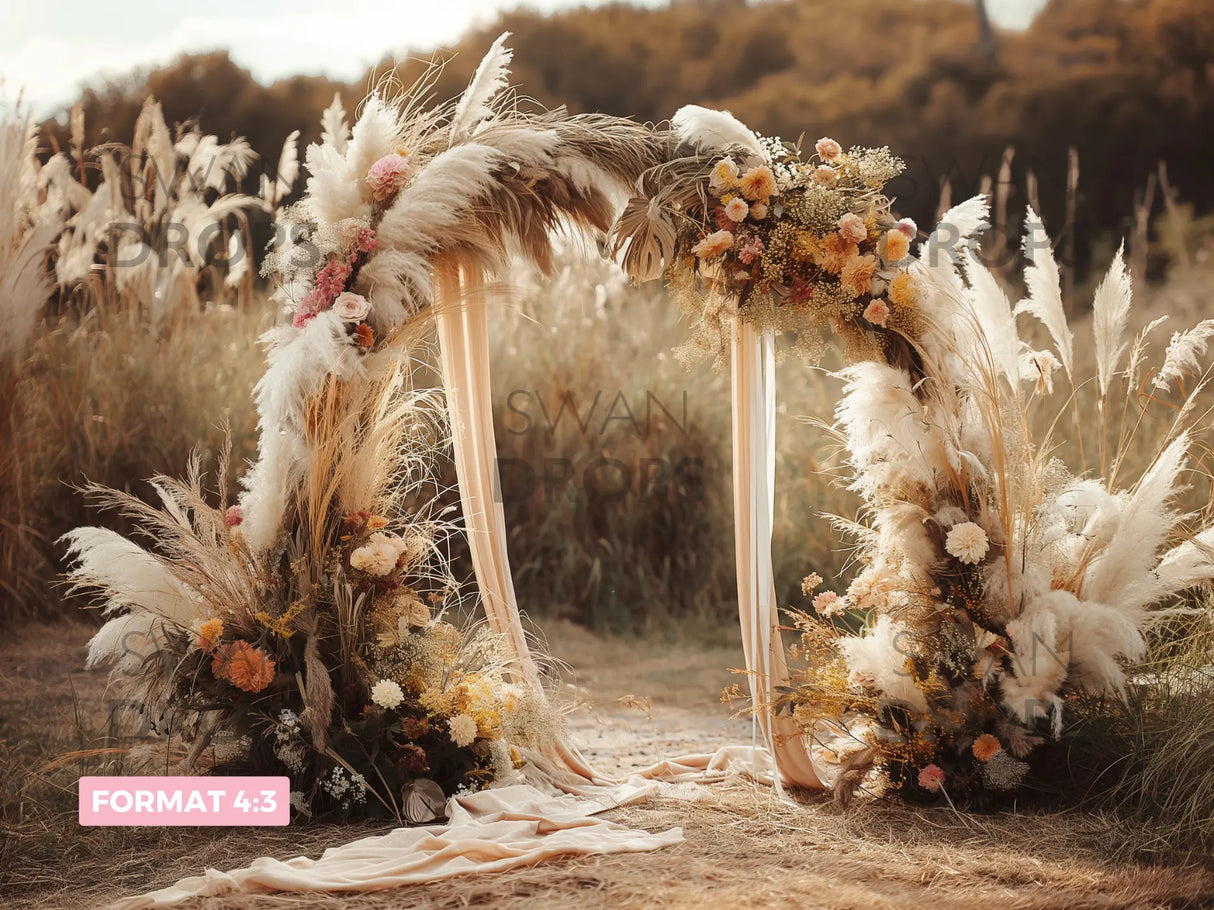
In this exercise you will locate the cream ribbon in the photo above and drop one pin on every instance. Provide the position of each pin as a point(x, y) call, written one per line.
point(753, 387)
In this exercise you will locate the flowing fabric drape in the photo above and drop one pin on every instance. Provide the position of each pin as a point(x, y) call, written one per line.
point(463, 337)
point(752, 375)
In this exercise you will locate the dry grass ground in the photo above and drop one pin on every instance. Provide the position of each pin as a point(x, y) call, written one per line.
point(744, 848)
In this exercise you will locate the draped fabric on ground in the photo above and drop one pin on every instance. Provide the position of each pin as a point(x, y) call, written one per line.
point(489, 831)
point(753, 380)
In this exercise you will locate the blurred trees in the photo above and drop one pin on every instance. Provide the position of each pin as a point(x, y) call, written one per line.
point(1126, 82)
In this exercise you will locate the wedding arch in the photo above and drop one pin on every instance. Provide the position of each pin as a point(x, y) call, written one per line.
point(305, 622)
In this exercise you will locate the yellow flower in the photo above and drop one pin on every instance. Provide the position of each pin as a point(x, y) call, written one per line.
point(209, 634)
point(902, 290)
point(375, 522)
point(724, 175)
point(806, 245)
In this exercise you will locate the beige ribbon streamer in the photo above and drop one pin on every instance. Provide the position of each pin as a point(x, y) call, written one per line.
point(752, 375)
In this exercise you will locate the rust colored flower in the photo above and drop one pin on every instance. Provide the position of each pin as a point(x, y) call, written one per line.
point(985, 746)
point(246, 667)
point(363, 336)
point(897, 246)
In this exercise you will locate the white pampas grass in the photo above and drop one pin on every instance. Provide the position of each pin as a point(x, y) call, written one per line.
point(334, 131)
point(298, 364)
point(1146, 519)
point(1110, 315)
point(710, 131)
point(879, 658)
point(25, 284)
point(1183, 353)
point(993, 328)
point(131, 582)
point(273, 191)
point(475, 105)
point(1044, 288)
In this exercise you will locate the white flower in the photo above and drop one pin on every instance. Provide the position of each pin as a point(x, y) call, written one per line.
point(737, 209)
point(379, 555)
point(387, 694)
point(463, 730)
point(967, 542)
point(351, 307)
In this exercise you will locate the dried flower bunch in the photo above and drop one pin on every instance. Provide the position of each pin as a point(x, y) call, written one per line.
point(749, 227)
point(997, 581)
point(305, 625)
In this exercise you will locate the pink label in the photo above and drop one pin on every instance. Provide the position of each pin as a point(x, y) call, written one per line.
point(113, 801)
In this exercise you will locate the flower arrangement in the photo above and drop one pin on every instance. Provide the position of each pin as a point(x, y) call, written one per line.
point(998, 583)
point(767, 233)
point(307, 626)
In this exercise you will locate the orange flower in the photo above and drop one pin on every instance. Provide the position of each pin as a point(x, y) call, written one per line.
point(897, 246)
point(209, 634)
point(834, 253)
point(364, 336)
point(857, 274)
point(758, 183)
point(244, 666)
point(986, 746)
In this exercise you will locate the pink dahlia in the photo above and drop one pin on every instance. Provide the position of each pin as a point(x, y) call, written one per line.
point(388, 175)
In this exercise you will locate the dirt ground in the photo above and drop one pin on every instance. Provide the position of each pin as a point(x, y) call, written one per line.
point(744, 847)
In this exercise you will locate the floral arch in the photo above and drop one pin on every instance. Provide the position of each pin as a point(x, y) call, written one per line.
point(303, 622)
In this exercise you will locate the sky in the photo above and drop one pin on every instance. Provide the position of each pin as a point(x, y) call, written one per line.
point(49, 48)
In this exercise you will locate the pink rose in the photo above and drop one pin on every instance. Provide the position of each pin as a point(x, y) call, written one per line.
point(351, 307)
point(828, 149)
point(388, 175)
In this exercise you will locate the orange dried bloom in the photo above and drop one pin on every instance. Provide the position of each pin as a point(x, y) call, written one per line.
point(857, 274)
point(364, 336)
point(834, 252)
point(246, 667)
point(986, 746)
point(209, 634)
point(758, 184)
point(897, 246)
